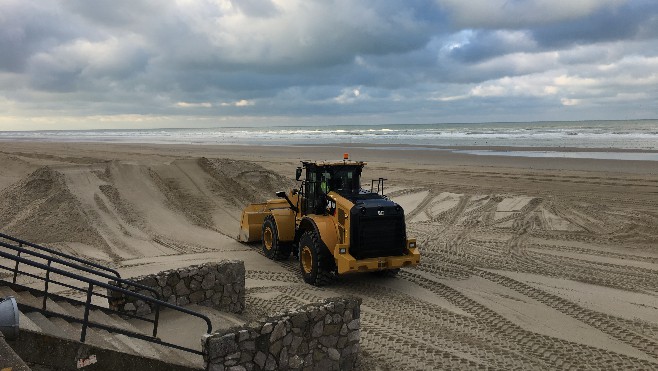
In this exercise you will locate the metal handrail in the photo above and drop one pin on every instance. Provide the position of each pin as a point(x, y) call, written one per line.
point(91, 283)
point(117, 279)
point(52, 251)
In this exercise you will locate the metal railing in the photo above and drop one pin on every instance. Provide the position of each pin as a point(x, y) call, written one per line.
point(89, 284)
point(98, 271)
point(22, 243)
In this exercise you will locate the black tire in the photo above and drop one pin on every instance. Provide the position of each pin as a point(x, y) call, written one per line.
point(387, 273)
point(315, 262)
point(272, 247)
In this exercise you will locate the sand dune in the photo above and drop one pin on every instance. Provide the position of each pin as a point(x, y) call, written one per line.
point(521, 268)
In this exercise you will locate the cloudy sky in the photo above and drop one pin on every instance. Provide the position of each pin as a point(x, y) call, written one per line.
point(196, 63)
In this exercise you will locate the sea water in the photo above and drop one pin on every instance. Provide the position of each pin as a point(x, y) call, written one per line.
point(614, 135)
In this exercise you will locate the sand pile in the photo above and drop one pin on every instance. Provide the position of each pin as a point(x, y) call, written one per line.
point(242, 182)
point(195, 207)
point(40, 208)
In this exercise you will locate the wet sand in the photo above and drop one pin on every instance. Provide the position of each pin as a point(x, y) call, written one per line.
point(527, 262)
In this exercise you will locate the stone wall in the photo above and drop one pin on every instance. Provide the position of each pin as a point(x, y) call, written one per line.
point(321, 336)
point(219, 285)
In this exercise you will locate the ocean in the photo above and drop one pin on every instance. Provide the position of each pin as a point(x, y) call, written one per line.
point(613, 138)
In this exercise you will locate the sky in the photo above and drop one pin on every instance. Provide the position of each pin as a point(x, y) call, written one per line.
point(81, 64)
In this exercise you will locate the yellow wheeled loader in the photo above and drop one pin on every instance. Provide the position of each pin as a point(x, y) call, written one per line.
point(332, 224)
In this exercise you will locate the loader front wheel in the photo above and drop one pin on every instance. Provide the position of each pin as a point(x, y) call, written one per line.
point(315, 261)
point(272, 247)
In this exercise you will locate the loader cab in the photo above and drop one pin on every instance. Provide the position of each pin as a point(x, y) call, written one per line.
point(321, 178)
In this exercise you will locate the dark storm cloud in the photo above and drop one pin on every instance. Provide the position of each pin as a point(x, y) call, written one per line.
point(418, 59)
point(31, 27)
point(636, 19)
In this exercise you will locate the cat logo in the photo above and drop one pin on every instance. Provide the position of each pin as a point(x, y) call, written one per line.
point(380, 212)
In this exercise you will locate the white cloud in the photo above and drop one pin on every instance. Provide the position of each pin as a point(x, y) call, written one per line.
point(239, 103)
point(349, 95)
point(193, 105)
point(570, 102)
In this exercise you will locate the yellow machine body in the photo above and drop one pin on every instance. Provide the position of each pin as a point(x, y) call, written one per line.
point(333, 230)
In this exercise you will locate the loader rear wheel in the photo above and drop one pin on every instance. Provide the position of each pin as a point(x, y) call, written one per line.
point(272, 247)
point(315, 261)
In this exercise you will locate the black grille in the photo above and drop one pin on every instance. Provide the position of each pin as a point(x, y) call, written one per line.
point(377, 236)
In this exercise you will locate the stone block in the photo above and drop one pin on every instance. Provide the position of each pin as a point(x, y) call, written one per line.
point(270, 364)
point(181, 288)
point(219, 347)
point(278, 332)
point(197, 297)
point(295, 362)
point(248, 345)
point(331, 329)
point(162, 279)
point(267, 328)
point(260, 359)
point(275, 348)
point(243, 335)
point(329, 341)
point(182, 300)
point(283, 358)
point(318, 328)
point(173, 279)
point(299, 320)
point(216, 367)
point(295, 343)
point(195, 285)
point(333, 354)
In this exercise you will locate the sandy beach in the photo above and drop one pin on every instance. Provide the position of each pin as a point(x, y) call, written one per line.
point(527, 263)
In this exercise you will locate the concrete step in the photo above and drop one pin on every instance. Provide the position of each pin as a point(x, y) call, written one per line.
point(26, 298)
point(95, 315)
point(59, 327)
point(25, 323)
point(122, 323)
point(101, 339)
point(118, 344)
point(6, 291)
point(143, 347)
point(66, 329)
point(45, 324)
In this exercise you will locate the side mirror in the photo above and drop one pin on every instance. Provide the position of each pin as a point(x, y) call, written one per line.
point(298, 173)
point(281, 194)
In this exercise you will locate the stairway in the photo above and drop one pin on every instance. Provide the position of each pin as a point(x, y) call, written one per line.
point(55, 342)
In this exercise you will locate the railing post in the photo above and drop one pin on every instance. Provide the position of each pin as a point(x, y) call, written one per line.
point(157, 317)
point(16, 266)
point(83, 334)
point(45, 288)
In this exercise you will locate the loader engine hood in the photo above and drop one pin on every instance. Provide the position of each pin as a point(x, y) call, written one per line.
point(377, 227)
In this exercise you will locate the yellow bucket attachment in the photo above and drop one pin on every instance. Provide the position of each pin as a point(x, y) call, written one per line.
point(251, 223)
